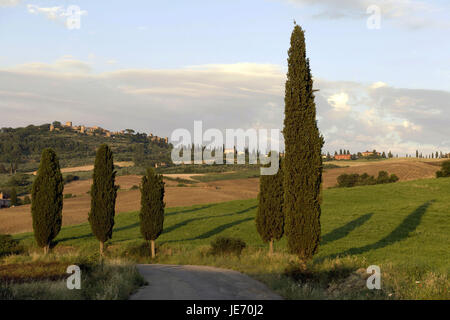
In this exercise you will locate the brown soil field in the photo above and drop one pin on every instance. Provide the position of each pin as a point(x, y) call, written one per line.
point(91, 167)
point(16, 220)
point(403, 168)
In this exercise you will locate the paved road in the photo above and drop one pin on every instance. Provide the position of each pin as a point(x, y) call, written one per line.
point(173, 282)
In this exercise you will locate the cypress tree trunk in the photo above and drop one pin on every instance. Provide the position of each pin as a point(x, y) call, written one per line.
point(103, 196)
point(153, 248)
point(270, 215)
point(152, 208)
point(47, 200)
point(303, 160)
point(102, 248)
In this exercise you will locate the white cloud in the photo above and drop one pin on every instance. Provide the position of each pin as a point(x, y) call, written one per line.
point(57, 13)
point(9, 3)
point(351, 115)
point(409, 13)
point(379, 84)
point(66, 65)
point(339, 102)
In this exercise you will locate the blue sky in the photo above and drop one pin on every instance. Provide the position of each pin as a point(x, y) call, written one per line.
point(409, 53)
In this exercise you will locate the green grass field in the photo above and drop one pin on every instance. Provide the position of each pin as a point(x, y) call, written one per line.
point(403, 227)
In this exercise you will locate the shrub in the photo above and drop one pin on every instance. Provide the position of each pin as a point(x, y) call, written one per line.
point(8, 245)
point(71, 178)
point(383, 177)
point(134, 187)
point(393, 178)
point(68, 196)
point(445, 170)
point(353, 180)
point(225, 245)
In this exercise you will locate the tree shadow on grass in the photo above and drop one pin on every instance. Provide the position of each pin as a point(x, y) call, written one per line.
point(89, 235)
point(186, 222)
point(402, 232)
point(190, 210)
point(169, 229)
point(343, 231)
point(216, 230)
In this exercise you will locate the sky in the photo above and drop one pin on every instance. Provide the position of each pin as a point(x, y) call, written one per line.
point(155, 66)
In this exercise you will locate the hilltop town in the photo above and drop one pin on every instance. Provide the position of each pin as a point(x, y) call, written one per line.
point(96, 130)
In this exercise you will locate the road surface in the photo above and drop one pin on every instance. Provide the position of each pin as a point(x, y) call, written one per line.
point(173, 282)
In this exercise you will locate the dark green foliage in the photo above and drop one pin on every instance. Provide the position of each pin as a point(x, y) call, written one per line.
point(103, 195)
point(445, 170)
point(19, 180)
point(383, 177)
point(226, 245)
point(20, 148)
point(303, 159)
point(26, 200)
point(14, 199)
point(152, 205)
point(354, 179)
point(8, 245)
point(47, 199)
point(393, 178)
point(70, 178)
point(270, 214)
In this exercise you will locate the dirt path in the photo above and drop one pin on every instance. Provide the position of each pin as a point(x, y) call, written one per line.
point(173, 282)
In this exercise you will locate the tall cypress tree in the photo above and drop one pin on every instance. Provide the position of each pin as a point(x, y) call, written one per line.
point(47, 200)
point(14, 199)
point(303, 161)
point(103, 196)
point(270, 215)
point(152, 207)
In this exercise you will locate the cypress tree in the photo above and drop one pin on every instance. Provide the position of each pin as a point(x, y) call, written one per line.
point(47, 200)
point(303, 161)
point(103, 196)
point(152, 207)
point(270, 215)
point(14, 200)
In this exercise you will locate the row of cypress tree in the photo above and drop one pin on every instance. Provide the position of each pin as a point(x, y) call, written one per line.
point(290, 200)
point(47, 200)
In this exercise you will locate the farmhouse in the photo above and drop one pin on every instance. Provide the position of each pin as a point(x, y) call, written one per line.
point(370, 153)
point(343, 157)
point(4, 201)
